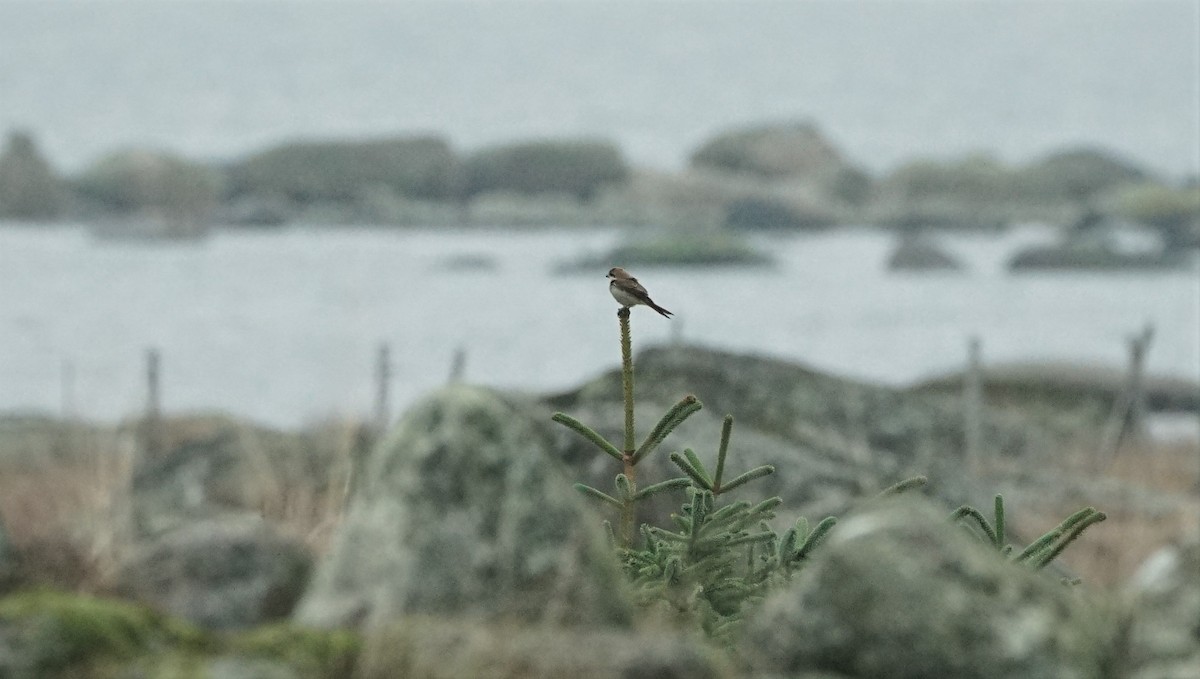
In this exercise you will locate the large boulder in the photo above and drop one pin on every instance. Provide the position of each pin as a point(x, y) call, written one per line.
point(831, 440)
point(463, 511)
point(900, 592)
point(219, 574)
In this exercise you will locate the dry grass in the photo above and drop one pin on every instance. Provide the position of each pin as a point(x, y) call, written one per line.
point(65, 488)
point(64, 508)
point(1109, 553)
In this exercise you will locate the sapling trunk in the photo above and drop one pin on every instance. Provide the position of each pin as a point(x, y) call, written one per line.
point(627, 451)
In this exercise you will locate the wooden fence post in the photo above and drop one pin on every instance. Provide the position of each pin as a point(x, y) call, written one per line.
point(152, 425)
point(1127, 419)
point(383, 383)
point(973, 404)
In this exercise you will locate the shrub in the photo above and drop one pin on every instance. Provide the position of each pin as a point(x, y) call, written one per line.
point(307, 172)
point(29, 189)
point(579, 168)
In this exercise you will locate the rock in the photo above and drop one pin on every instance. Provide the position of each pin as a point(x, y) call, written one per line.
point(919, 254)
point(781, 150)
point(152, 183)
point(462, 510)
point(425, 648)
point(575, 167)
point(201, 479)
point(899, 592)
point(218, 573)
point(755, 213)
point(1166, 616)
point(29, 188)
point(832, 440)
point(216, 467)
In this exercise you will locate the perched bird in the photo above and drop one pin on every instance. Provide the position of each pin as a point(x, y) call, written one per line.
point(628, 292)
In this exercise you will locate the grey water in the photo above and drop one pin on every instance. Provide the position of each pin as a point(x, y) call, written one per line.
point(284, 326)
point(887, 81)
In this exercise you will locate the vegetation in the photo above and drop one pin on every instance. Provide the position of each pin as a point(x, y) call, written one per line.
point(720, 558)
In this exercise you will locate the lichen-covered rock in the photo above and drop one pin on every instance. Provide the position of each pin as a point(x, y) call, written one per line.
point(900, 592)
point(832, 440)
point(462, 510)
point(220, 574)
point(1166, 617)
point(432, 648)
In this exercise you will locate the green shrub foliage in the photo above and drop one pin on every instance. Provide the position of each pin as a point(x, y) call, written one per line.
point(719, 557)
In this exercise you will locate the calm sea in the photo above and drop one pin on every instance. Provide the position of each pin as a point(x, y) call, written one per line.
point(886, 80)
point(284, 326)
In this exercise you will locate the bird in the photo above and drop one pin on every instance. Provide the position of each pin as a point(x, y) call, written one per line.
point(628, 292)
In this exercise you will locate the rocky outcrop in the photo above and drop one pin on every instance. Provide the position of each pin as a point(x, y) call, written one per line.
point(29, 188)
point(463, 511)
point(900, 592)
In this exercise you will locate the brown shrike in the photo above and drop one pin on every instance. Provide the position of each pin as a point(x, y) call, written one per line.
point(628, 292)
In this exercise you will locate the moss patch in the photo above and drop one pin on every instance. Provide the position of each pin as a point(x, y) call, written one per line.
point(54, 630)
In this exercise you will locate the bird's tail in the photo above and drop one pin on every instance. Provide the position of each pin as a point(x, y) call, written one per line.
point(659, 309)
